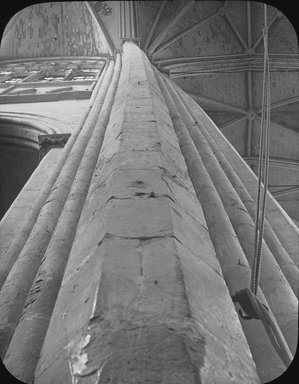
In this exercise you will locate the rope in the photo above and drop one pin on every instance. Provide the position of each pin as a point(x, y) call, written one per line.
point(263, 166)
point(247, 298)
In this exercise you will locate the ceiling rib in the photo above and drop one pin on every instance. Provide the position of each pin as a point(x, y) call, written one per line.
point(217, 103)
point(285, 192)
point(121, 21)
point(276, 162)
point(135, 7)
point(232, 122)
point(248, 61)
point(133, 19)
point(210, 64)
point(198, 59)
point(282, 58)
point(282, 103)
point(128, 23)
point(185, 66)
point(185, 32)
point(249, 32)
point(172, 22)
point(249, 83)
point(274, 124)
point(153, 26)
point(249, 138)
point(236, 32)
point(100, 24)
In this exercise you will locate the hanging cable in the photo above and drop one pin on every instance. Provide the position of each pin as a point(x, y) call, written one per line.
point(254, 309)
point(247, 298)
point(263, 167)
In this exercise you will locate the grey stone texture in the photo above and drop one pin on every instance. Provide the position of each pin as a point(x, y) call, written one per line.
point(130, 271)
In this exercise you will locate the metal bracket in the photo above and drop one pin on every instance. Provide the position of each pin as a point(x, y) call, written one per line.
point(246, 298)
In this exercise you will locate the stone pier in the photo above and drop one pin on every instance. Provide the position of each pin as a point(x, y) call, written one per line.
point(133, 267)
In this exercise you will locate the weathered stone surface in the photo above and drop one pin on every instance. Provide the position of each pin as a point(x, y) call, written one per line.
point(285, 229)
point(135, 301)
point(15, 216)
point(206, 174)
point(143, 298)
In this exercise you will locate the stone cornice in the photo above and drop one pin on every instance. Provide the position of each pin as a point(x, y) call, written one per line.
point(190, 66)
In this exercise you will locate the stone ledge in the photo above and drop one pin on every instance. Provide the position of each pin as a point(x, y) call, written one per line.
point(47, 142)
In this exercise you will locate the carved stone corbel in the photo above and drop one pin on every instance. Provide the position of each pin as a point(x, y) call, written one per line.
point(47, 142)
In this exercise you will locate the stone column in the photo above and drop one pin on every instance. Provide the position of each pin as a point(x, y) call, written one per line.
point(14, 218)
point(20, 263)
point(128, 286)
point(142, 297)
point(232, 232)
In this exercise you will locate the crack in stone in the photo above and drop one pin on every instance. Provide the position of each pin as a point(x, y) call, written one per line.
point(141, 238)
point(130, 197)
point(141, 258)
point(173, 177)
point(113, 197)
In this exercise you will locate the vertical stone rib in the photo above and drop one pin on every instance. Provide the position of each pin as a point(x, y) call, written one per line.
point(24, 349)
point(9, 257)
point(286, 231)
point(226, 242)
point(15, 217)
point(16, 287)
point(228, 250)
point(134, 303)
point(280, 297)
point(283, 259)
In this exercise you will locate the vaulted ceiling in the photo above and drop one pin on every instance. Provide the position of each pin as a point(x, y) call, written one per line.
point(212, 49)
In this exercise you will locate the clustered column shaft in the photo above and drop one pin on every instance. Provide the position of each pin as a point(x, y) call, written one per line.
point(142, 268)
point(125, 267)
point(211, 183)
point(30, 332)
point(8, 258)
point(20, 278)
point(286, 263)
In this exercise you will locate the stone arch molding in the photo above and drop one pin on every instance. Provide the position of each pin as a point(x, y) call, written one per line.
point(18, 128)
